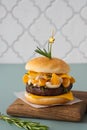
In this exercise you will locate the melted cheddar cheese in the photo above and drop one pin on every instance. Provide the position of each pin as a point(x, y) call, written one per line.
point(68, 96)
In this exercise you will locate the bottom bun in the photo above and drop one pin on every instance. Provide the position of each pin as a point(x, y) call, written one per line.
point(47, 100)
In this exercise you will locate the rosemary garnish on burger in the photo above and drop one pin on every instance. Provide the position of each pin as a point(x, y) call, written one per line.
point(44, 52)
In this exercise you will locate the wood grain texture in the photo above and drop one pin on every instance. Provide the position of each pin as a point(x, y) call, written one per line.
point(73, 112)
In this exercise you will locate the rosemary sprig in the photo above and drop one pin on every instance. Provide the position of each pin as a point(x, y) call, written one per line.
point(44, 52)
point(27, 125)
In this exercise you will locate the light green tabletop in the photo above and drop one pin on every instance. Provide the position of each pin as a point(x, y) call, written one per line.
point(11, 81)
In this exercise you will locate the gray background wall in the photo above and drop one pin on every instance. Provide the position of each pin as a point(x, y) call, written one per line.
point(26, 24)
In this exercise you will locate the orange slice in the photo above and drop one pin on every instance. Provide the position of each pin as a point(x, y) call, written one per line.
point(25, 78)
point(72, 80)
point(65, 76)
point(66, 82)
point(55, 80)
point(32, 74)
point(42, 82)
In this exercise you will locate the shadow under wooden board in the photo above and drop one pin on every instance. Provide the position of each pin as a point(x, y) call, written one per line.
point(73, 112)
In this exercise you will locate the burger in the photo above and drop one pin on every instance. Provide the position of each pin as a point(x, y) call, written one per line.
point(48, 81)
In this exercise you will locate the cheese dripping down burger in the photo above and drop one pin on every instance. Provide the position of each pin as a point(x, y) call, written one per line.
point(47, 81)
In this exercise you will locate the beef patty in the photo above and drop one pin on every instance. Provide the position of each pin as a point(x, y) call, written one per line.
point(44, 91)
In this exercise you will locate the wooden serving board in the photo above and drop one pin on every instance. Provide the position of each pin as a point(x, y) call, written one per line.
point(73, 112)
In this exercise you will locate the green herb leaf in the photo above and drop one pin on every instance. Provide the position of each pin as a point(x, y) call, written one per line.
point(48, 52)
point(27, 125)
point(43, 52)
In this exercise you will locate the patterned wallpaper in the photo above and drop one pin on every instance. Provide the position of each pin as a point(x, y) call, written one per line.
point(26, 24)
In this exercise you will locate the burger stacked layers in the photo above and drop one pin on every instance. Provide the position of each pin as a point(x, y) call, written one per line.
point(47, 81)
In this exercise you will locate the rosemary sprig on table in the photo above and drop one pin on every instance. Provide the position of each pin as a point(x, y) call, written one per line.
point(44, 52)
point(27, 125)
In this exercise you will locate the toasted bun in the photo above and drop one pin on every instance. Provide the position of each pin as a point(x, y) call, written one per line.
point(46, 65)
point(45, 100)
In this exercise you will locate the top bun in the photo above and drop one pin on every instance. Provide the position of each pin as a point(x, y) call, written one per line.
point(46, 65)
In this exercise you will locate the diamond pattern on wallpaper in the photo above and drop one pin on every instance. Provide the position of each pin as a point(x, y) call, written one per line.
point(25, 46)
point(83, 47)
point(3, 47)
point(10, 57)
point(26, 24)
point(42, 29)
point(77, 4)
point(75, 57)
point(61, 47)
point(9, 3)
point(53, 13)
point(10, 29)
point(43, 4)
point(26, 12)
point(84, 13)
point(75, 35)
point(2, 12)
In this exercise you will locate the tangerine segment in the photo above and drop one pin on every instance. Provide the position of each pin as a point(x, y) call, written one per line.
point(55, 80)
point(66, 82)
point(25, 78)
point(65, 76)
point(42, 82)
point(72, 80)
point(32, 74)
